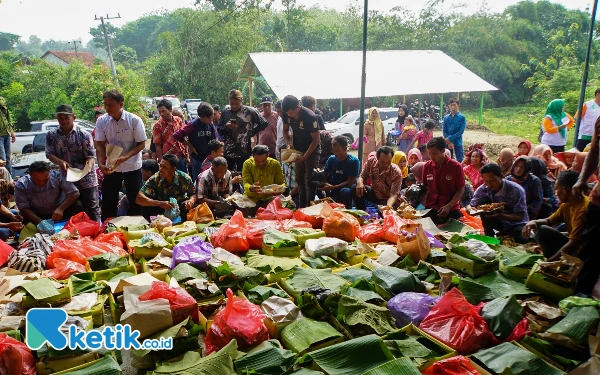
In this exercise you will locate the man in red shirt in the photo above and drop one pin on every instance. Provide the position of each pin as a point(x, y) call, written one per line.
point(268, 136)
point(445, 182)
point(162, 132)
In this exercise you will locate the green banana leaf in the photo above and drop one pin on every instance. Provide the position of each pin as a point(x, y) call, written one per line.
point(503, 284)
point(318, 304)
point(170, 332)
point(105, 366)
point(577, 324)
point(86, 283)
point(270, 264)
point(475, 292)
point(305, 371)
point(502, 316)
point(568, 303)
point(268, 358)
point(507, 358)
point(363, 290)
point(522, 260)
point(321, 262)
point(352, 275)
point(277, 239)
point(259, 294)
point(107, 261)
point(117, 277)
point(304, 334)
point(184, 272)
point(424, 273)
point(234, 276)
point(219, 363)
point(419, 349)
point(364, 318)
point(395, 280)
point(355, 356)
point(305, 278)
point(563, 356)
point(406, 263)
point(400, 366)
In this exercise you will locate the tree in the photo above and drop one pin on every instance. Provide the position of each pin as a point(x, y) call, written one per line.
point(8, 41)
point(98, 34)
point(125, 56)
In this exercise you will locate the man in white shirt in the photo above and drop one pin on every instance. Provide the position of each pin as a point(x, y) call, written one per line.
point(589, 114)
point(126, 130)
point(280, 139)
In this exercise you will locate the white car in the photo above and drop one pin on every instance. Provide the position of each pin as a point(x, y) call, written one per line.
point(24, 140)
point(348, 124)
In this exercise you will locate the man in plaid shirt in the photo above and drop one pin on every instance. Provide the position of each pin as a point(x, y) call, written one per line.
point(162, 132)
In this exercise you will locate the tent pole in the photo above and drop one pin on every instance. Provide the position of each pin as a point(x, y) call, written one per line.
point(361, 129)
point(403, 99)
point(251, 89)
point(458, 96)
point(441, 107)
point(341, 107)
point(585, 72)
point(481, 110)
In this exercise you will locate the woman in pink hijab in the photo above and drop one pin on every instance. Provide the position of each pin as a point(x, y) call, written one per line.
point(413, 157)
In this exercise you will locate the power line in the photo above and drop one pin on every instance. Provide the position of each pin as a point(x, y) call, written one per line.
point(74, 42)
point(110, 58)
point(225, 16)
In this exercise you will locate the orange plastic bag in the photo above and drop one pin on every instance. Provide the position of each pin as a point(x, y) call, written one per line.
point(256, 230)
point(339, 224)
point(114, 238)
point(15, 357)
point(83, 224)
point(79, 250)
point(456, 323)
point(371, 233)
point(274, 211)
point(181, 302)
point(201, 214)
point(239, 320)
point(413, 241)
point(392, 224)
point(316, 221)
point(63, 269)
point(233, 235)
point(472, 221)
point(452, 366)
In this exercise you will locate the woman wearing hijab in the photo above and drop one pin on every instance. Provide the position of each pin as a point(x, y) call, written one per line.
point(555, 166)
point(402, 113)
point(555, 125)
point(408, 133)
point(550, 203)
point(374, 133)
point(399, 159)
point(524, 148)
point(414, 156)
point(567, 157)
point(478, 159)
point(417, 171)
point(521, 174)
point(505, 161)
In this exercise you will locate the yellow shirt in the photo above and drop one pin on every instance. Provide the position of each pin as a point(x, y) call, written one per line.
point(573, 216)
point(270, 174)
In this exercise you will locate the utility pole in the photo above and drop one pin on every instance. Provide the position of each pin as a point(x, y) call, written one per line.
point(108, 48)
point(361, 129)
point(74, 42)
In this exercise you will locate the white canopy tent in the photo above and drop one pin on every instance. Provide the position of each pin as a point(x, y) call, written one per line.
point(337, 74)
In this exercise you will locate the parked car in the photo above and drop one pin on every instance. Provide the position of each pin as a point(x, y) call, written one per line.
point(172, 98)
point(190, 108)
point(348, 124)
point(24, 140)
point(19, 164)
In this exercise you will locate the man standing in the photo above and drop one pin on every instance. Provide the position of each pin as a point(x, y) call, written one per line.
point(268, 136)
point(69, 146)
point(453, 128)
point(305, 127)
point(588, 252)
point(386, 181)
point(238, 125)
point(126, 130)
point(280, 139)
point(199, 133)
point(444, 180)
point(589, 114)
point(311, 103)
point(163, 131)
point(7, 133)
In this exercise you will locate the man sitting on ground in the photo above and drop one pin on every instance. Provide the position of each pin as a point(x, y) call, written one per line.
point(214, 185)
point(149, 169)
point(44, 194)
point(341, 171)
point(168, 183)
point(512, 219)
point(216, 149)
point(444, 180)
point(259, 171)
point(10, 222)
point(571, 212)
point(386, 181)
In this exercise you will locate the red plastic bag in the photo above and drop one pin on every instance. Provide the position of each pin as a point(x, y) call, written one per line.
point(239, 320)
point(114, 238)
point(371, 233)
point(256, 230)
point(181, 302)
point(293, 223)
point(5, 250)
point(63, 269)
point(316, 221)
point(452, 366)
point(233, 235)
point(79, 250)
point(456, 323)
point(15, 357)
point(83, 224)
point(274, 211)
point(339, 224)
point(392, 224)
point(472, 221)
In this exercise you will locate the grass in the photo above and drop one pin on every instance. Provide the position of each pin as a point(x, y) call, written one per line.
point(522, 121)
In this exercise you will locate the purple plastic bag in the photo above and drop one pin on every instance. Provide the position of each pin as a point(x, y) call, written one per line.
point(434, 242)
point(192, 250)
point(411, 307)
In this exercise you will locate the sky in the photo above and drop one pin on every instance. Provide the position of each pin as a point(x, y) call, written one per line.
point(72, 19)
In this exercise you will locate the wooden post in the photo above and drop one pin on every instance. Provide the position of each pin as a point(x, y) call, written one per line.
point(251, 89)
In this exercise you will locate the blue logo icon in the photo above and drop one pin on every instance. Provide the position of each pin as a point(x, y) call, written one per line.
point(43, 325)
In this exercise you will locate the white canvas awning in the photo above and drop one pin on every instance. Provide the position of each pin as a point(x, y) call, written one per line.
point(337, 74)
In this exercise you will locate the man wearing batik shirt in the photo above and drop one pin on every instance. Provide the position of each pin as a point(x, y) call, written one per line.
point(163, 131)
point(69, 146)
point(386, 181)
point(214, 184)
point(238, 125)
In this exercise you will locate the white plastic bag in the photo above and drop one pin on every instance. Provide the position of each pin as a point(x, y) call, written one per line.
point(480, 249)
point(161, 222)
point(325, 246)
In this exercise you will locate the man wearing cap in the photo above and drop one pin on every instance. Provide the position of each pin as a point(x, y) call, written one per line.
point(69, 146)
point(268, 136)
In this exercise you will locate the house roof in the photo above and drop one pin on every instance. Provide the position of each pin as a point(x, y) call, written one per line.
point(68, 56)
point(337, 74)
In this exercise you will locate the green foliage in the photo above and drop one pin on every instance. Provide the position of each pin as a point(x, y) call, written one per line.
point(8, 41)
